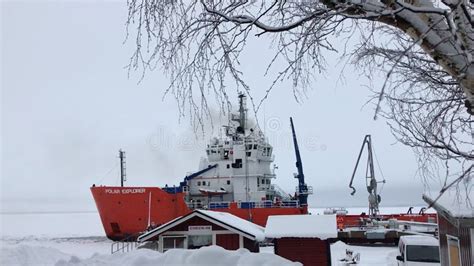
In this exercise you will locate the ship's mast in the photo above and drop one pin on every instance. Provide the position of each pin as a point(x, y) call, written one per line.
point(123, 174)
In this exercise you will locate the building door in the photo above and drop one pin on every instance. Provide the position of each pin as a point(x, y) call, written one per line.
point(453, 251)
point(472, 245)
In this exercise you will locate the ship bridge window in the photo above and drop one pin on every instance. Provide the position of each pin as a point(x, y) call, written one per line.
point(249, 154)
point(255, 146)
point(267, 151)
point(207, 151)
point(237, 164)
point(213, 151)
point(268, 181)
point(263, 181)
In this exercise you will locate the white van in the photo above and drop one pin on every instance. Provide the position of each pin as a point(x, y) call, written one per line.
point(418, 250)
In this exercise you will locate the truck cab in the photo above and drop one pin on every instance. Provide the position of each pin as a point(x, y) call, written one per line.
point(416, 250)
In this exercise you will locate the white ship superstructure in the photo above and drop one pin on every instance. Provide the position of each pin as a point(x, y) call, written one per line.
point(239, 167)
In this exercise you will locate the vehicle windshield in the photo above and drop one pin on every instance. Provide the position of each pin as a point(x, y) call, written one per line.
point(423, 253)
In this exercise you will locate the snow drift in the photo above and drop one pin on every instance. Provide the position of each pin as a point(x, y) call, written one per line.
point(213, 255)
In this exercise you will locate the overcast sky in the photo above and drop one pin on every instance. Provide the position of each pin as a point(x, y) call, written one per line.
point(68, 105)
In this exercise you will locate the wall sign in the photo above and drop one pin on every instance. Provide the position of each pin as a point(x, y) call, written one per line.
point(200, 228)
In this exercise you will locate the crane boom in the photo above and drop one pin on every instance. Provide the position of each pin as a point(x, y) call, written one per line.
point(371, 182)
point(302, 190)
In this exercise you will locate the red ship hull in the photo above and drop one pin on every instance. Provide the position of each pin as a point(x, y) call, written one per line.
point(127, 211)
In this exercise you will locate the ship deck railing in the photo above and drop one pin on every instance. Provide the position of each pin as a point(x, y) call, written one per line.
point(248, 204)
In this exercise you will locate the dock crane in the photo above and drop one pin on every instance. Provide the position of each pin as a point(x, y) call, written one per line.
point(302, 190)
point(371, 182)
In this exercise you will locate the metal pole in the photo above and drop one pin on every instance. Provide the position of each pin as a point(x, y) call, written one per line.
point(122, 167)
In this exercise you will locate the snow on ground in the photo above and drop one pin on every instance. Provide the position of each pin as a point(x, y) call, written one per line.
point(44, 238)
point(213, 255)
point(79, 234)
point(373, 255)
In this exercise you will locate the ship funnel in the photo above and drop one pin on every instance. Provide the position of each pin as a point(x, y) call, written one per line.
point(242, 113)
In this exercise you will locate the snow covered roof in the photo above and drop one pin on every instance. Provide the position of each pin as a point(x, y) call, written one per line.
point(304, 226)
point(226, 220)
point(419, 240)
point(454, 202)
point(237, 222)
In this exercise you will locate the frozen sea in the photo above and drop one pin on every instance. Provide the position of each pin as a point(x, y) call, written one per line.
point(46, 238)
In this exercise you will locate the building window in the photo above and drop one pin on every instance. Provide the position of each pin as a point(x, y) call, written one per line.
point(263, 181)
point(197, 241)
point(170, 242)
point(249, 154)
point(199, 183)
point(268, 181)
point(228, 166)
point(228, 182)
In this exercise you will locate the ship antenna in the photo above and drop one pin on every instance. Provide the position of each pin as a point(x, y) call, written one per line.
point(123, 174)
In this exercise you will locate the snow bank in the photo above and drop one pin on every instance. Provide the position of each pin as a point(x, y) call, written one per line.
point(320, 226)
point(369, 255)
point(213, 255)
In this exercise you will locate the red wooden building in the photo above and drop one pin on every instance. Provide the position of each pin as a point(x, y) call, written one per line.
point(203, 228)
point(455, 227)
point(303, 238)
